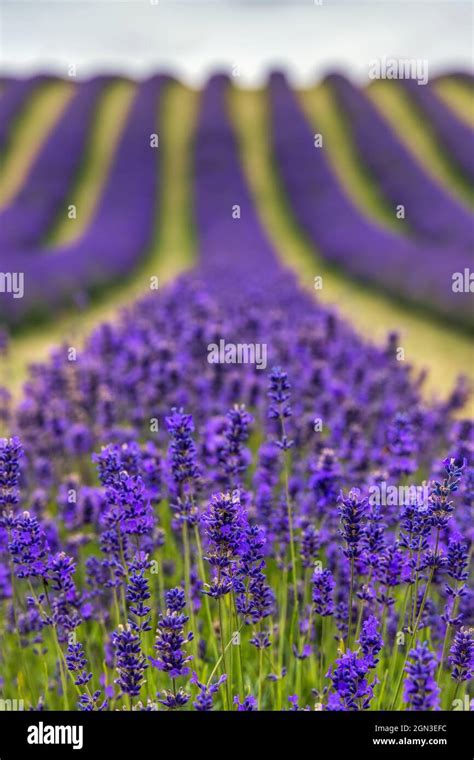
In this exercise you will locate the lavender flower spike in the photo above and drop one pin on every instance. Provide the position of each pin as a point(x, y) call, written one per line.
point(462, 655)
point(370, 640)
point(323, 592)
point(421, 691)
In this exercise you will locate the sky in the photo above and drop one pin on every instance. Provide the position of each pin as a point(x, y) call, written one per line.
point(191, 38)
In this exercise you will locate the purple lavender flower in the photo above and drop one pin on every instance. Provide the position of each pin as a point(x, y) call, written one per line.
point(138, 593)
point(111, 462)
point(310, 545)
point(28, 547)
point(402, 446)
point(90, 702)
point(130, 508)
point(76, 662)
point(170, 637)
point(79, 439)
point(204, 701)
point(293, 699)
point(456, 563)
point(374, 540)
point(184, 472)
point(323, 592)
point(421, 691)
point(182, 448)
point(393, 568)
point(350, 682)
point(303, 653)
point(233, 456)
point(371, 640)
point(224, 525)
point(173, 700)
point(248, 704)
point(325, 480)
point(415, 527)
point(462, 655)
point(352, 509)
point(130, 661)
point(280, 409)
point(441, 505)
point(255, 599)
point(11, 452)
point(457, 560)
point(61, 568)
point(261, 640)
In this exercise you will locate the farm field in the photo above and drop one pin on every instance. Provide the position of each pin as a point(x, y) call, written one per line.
point(173, 248)
point(246, 317)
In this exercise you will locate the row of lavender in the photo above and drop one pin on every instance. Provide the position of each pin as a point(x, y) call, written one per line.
point(123, 223)
point(431, 211)
point(231, 553)
point(456, 136)
point(12, 102)
point(420, 271)
point(118, 237)
point(28, 217)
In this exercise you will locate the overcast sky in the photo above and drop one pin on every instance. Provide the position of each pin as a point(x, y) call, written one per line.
point(191, 38)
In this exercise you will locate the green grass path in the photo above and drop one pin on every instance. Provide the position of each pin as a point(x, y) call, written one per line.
point(109, 120)
point(323, 112)
point(459, 97)
point(31, 130)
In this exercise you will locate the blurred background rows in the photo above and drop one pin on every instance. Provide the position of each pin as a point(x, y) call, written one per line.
point(307, 41)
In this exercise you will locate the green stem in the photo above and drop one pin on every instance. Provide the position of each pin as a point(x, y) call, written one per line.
point(260, 678)
point(187, 586)
point(321, 656)
point(417, 623)
point(446, 636)
point(241, 666)
point(223, 651)
point(290, 519)
point(207, 605)
point(351, 591)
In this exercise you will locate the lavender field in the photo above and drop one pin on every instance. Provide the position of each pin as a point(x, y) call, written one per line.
point(236, 367)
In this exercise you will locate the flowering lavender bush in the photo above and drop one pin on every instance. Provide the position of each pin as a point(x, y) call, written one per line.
point(232, 556)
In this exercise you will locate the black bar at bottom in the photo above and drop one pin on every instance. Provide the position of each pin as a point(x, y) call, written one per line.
point(381, 734)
